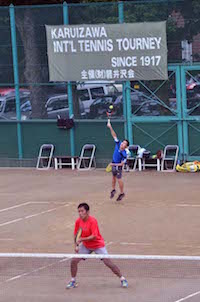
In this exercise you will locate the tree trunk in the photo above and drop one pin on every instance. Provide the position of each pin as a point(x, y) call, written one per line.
point(33, 72)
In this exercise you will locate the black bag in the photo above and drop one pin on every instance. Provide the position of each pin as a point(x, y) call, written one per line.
point(65, 123)
point(146, 154)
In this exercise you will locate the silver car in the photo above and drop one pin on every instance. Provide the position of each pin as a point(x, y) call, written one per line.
point(8, 106)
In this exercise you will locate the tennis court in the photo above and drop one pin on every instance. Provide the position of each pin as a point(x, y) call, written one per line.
point(159, 216)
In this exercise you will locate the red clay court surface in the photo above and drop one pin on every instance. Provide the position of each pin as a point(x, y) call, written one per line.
point(159, 216)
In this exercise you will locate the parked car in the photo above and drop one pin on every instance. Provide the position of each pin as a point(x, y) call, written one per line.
point(88, 92)
point(140, 103)
point(193, 100)
point(101, 105)
point(57, 105)
point(8, 105)
point(10, 91)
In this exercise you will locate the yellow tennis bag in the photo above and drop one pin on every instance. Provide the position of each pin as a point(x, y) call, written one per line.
point(189, 167)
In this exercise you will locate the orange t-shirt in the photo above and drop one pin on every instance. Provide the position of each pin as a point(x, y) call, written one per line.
point(90, 227)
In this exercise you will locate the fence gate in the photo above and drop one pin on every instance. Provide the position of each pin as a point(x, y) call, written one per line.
point(155, 112)
point(190, 81)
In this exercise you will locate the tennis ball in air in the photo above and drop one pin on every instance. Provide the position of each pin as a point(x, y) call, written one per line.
point(111, 107)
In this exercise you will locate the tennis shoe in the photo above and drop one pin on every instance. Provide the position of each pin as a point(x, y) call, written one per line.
point(71, 284)
point(112, 193)
point(124, 283)
point(120, 197)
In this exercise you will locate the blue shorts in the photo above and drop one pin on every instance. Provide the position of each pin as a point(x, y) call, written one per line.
point(117, 171)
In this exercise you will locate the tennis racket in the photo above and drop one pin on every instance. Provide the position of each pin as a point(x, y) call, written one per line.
point(109, 112)
point(78, 235)
point(108, 168)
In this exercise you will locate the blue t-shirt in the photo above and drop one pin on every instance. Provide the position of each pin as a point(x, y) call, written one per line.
point(118, 155)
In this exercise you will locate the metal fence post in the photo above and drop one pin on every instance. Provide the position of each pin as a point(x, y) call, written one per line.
point(179, 111)
point(69, 87)
point(121, 20)
point(129, 118)
point(16, 78)
point(184, 108)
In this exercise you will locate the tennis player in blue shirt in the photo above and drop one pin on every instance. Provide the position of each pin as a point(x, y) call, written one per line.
point(119, 159)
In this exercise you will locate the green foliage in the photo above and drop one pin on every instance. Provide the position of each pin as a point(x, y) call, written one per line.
point(190, 10)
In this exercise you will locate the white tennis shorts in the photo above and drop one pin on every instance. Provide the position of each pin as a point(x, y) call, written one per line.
point(85, 250)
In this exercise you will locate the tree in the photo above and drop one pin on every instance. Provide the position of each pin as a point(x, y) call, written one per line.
point(34, 58)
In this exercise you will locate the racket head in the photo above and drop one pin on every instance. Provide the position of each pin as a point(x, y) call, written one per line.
point(108, 168)
point(78, 235)
point(110, 111)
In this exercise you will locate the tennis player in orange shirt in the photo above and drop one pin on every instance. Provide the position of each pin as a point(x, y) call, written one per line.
point(90, 241)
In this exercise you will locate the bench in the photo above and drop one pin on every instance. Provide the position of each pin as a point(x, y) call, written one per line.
point(61, 161)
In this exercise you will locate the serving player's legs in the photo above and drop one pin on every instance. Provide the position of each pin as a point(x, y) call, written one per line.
point(114, 180)
point(121, 185)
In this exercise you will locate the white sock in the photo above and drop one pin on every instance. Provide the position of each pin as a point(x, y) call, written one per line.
point(122, 278)
point(73, 279)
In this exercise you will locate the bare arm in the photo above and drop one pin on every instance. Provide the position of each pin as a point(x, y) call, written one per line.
point(117, 165)
point(89, 238)
point(114, 135)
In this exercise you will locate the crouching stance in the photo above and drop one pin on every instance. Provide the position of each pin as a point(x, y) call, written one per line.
point(90, 241)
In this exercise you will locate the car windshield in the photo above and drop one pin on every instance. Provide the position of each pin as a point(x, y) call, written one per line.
point(1, 105)
point(112, 89)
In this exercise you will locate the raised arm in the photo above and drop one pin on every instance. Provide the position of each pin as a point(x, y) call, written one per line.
point(114, 135)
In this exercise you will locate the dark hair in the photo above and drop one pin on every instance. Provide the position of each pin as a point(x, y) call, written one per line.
point(84, 205)
point(127, 142)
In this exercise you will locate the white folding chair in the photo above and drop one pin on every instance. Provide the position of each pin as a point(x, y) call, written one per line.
point(87, 159)
point(132, 161)
point(170, 155)
point(45, 157)
point(150, 161)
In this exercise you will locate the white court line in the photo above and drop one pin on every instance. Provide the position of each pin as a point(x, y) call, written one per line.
point(34, 215)
point(46, 202)
point(40, 213)
point(187, 297)
point(11, 221)
point(14, 207)
point(109, 243)
point(6, 239)
point(188, 205)
point(34, 271)
point(135, 243)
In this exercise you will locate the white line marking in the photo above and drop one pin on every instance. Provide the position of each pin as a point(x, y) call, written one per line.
point(34, 215)
point(47, 211)
point(16, 206)
point(6, 239)
point(11, 221)
point(135, 243)
point(187, 297)
point(188, 205)
point(34, 271)
point(109, 243)
point(38, 202)
point(40, 213)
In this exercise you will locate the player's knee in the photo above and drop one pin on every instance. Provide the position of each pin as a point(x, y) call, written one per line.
point(75, 261)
